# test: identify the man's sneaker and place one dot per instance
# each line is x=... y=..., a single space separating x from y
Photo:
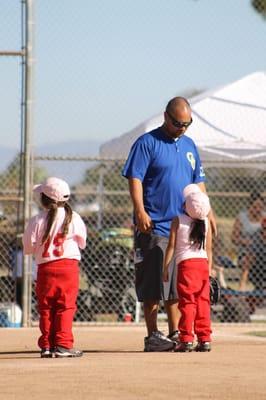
x=174 y=336
x=63 y=352
x=184 y=347
x=203 y=346
x=158 y=342
x=46 y=353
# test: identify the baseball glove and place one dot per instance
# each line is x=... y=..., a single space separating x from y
x=215 y=290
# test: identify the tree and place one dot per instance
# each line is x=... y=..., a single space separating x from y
x=260 y=7
x=11 y=178
x=11 y=189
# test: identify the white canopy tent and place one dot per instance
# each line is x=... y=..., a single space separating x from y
x=229 y=123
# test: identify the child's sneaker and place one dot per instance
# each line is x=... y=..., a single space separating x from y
x=184 y=347
x=46 y=353
x=203 y=346
x=64 y=352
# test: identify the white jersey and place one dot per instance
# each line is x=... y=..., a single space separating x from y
x=184 y=249
x=56 y=246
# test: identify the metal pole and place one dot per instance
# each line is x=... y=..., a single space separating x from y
x=100 y=198
x=27 y=184
x=11 y=53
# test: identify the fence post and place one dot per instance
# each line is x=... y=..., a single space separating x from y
x=27 y=154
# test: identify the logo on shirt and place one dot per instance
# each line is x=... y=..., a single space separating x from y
x=191 y=159
x=202 y=172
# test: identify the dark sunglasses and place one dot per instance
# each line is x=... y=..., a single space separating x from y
x=179 y=124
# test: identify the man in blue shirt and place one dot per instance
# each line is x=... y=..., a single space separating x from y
x=160 y=164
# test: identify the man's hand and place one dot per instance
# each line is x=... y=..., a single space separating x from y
x=144 y=222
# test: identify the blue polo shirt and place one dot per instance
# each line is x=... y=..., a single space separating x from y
x=164 y=166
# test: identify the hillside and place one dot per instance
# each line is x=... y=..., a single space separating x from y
x=71 y=172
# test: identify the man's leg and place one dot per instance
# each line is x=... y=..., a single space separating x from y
x=148 y=271
x=173 y=314
x=148 y=277
x=171 y=299
x=150 y=314
x=155 y=341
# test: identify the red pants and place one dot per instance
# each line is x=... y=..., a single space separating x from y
x=57 y=290
x=194 y=300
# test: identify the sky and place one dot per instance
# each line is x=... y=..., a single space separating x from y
x=102 y=67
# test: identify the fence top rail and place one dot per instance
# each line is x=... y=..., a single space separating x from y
x=12 y=53
x=76 y=158
x=219 y=163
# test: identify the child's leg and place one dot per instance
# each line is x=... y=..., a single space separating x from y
x=187 y=287
x=46 y=340
x=67 y=286
x=202 y=325
x=45 y=297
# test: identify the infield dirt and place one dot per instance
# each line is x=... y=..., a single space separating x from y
x=114 y=366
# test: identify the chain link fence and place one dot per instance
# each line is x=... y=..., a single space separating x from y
x=74 y=84
x=107 y=271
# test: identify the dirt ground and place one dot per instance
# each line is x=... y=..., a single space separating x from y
x=114 y=366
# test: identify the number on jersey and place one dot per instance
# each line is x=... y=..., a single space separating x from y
x=58 y=242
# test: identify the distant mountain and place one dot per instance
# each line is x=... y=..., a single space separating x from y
x=70 y=148
x=71 y=171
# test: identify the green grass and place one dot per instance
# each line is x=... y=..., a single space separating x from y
x=257 y=333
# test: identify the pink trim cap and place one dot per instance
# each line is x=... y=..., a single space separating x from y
x=54 y=188
x=197 y=202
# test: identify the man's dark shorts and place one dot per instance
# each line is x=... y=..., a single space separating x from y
x=149 y=250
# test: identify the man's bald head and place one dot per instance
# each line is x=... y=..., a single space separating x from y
x=177 y=103
x=177 y=117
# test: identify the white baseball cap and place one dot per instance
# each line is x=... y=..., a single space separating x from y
x=54 y=188
x=197 y=202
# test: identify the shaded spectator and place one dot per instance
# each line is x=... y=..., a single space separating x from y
x=247 y=223
x=17 y=268
x=254 y=262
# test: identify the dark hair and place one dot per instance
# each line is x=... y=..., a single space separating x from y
x=255 y=196
x=198 y=233
x=52 y=206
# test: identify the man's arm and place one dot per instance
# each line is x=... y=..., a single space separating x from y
x=143 y=220
x=211 y=216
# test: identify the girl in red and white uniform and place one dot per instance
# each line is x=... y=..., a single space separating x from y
x=190 y=240
x=54 y=237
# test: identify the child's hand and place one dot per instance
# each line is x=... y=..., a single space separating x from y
x=165 y=275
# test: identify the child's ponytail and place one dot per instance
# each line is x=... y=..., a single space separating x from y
x=67 y=220
x=51 y=205
x=198 y=233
